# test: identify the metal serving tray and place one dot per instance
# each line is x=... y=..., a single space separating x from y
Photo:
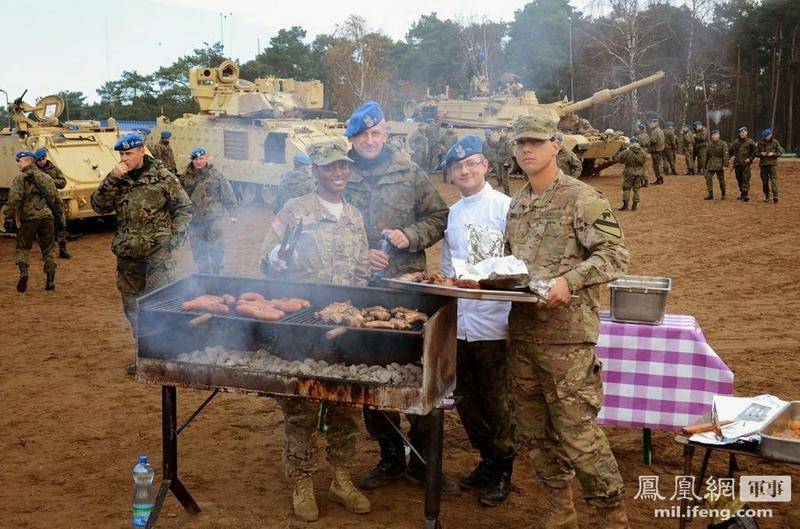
x=464 y=293
x=781 y=448
x=636 y=299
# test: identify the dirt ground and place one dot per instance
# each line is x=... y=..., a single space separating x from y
x=74 y=423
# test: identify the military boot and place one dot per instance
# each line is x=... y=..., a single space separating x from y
x=659 y=181
x=498 y=491
x=343 y=492
x=613 y=517
x=709 y=196
x=745 y=197
x=634 y=206
x=391 y=467
x=416 y=473
x=479 y=478
x=561 y=511
x=22 y=282
x=50 y=282
x=304 y=503
x=62 y=250
x=624 y=206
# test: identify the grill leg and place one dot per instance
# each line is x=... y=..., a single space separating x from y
x=433 y=471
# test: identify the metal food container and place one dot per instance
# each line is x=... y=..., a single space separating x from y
x=636 y=299
x=781 y=448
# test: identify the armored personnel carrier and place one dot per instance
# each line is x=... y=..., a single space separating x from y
x=83 y=150
x=594 y=147
x=251 y=130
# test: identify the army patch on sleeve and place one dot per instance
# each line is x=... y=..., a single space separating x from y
x=607 y=223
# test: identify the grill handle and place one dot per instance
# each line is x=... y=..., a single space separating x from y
x=335 y=332
x=200 y=320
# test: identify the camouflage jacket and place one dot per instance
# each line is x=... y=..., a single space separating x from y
x=644 y=140
x=162 y=151
x=635 y=159
x=327 y=251
x=742 y=150
x=449 y=139
x=397 y=194
x=700 y=140
x=569 y=162
x=293 y=184
x=489 y=148
x=27 y=202
x=503 y=151
x=670 y=140
x=657 y=140
x=688 y=140
x=55 y=173
x=418 y=142
x=568 y=231
x=765 y=146
x=210 y=192
x=152 y=210
x=717 y=155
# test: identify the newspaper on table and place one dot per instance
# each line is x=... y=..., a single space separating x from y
x=729 y=409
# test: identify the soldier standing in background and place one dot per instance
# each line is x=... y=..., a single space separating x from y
x=634 y=174
x=557 y=380
x=670 y=148
x=502 y=161
x=162 y=151
x=769 y=150
x=34 y=201
x=419 y=147
x=644 y=143
x=434 y=145
x=700 y=146
x=295 y=183
x=450 y=137
x=60 y=181
x=212 y=197
x=657 y=145
x=489 y=149
x=687 y=138
x=568 y=161
x=743 y=151
x=716 y=161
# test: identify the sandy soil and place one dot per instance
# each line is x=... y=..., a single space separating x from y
x=74 y=423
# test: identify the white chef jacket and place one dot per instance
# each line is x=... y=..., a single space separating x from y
x=477 y=320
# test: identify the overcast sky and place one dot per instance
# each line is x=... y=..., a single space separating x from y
x=53 y=45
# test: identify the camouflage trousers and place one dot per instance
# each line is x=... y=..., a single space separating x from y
x=301 y=421
x=632 y=182
x=720 y=174
x=701 y=155
x=41 y=230
x=136 y=277
x=743 y=178
x=669 y=161
x=687 y=156
x=419 y=156
x=657 y=159
x=558 y=393
x=769 y=180
x=501 y=173
x=208 y=245
x=486 y=399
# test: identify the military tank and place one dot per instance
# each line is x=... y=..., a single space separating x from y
x=251 y=130
x=594 y=147
x=83 y=150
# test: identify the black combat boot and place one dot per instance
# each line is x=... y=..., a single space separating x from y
x=709 y=196
x=624 y=206
x=498 y=491
x=775 y=200
x=480 y=477
x=659 y=181
x=745 y=197
x=391 y=467
x=634 y=206
x=62 y=250
x=50 y=283
x=22 y=282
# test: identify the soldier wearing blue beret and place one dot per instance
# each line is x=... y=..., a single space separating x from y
x=670 y=148
x=769 y=150
x=60 y=181
x=163 y=151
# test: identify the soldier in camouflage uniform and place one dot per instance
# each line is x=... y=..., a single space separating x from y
x=295 y=183
x=700 y=146
x=716 y=161
x=634 y=174
x=212 y=197
x=434 y=145
x=644 y=143
x=564 y=230
x=670 y=148
x=332 y=249
x=152 y=212
x=448 y=140
x=743 y=151
x=162 y=151
x=687 y=138
x=657 y=145
x=502 y=161
x=769 y=150
x=60 y=181
x=34 y=201
x=489 y=149
x=419 y=147
x=567 y=160
x=398 y=203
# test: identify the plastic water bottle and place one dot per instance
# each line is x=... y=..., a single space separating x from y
x=143 y=477
x=378 y=274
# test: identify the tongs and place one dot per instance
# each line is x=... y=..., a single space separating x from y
x=289 y=243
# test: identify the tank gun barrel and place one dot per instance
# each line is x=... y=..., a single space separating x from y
x=607 y=94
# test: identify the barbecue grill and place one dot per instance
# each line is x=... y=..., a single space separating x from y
x=165 y=331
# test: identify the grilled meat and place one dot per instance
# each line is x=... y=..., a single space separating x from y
x=342 y=313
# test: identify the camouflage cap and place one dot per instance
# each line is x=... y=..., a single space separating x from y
x=535 y=126
x=324 y=152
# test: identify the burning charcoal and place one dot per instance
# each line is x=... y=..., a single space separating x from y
x=384 y=376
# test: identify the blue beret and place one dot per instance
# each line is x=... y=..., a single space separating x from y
x=364 y=117
x=639 y=125
x=715 y=131
x=488 y=131
x=742 y=128
x=40 y=153
x=766 y=132
x=696 y=123
x=165 y=134
x=669 y=123
x=654 y=120
x=24 y=154
x=463 y=148
x=301 y=159
x=634 y=139
x=128 y=142
x=197 y=152
x=143 y=130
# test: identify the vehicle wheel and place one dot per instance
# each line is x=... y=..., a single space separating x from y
x=268 y=194
x=249 y=193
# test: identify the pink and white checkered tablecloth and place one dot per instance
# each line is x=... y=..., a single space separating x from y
x=658 y=376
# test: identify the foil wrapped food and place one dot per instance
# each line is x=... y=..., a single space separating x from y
x=484 y=243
